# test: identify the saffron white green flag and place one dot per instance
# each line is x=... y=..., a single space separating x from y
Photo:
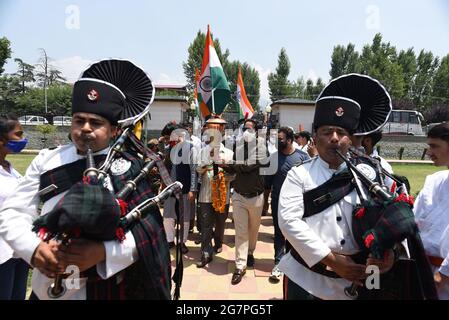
x=245 y=109
x=213 y=87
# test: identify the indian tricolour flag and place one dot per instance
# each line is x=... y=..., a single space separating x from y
x=213 y=87
x=245 y=109
x=201 y=108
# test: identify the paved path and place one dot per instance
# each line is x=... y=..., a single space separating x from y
x=214 y=281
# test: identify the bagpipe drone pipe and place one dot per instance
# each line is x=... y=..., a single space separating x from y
x=380 y=223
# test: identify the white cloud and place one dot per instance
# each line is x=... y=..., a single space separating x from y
x=312 y=75
x=165 y=79
x=71 y=67
x=263 y=75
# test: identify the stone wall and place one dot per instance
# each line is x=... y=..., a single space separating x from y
x=37 y=140
x=389 y=145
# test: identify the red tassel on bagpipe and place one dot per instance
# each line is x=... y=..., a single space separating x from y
x=405 y=198
x=360 y=213
x=123 y=207
x=369 y=240
x=120 y=234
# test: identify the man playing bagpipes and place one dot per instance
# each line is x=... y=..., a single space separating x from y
x=336 y=226
x=115 y=260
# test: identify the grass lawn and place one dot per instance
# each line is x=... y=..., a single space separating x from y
x=20 y=162
x=416 y=174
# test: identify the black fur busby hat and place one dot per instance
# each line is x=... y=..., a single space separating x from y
x=355 y=102
x=115 y=89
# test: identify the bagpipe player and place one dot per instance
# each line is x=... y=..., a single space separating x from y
x=320 y=204
x=138 y=266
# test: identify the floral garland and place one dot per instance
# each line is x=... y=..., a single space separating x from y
x=219 y=192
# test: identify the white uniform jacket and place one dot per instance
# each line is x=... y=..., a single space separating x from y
x=21 y=209
x=432 y=216
x=316 y=236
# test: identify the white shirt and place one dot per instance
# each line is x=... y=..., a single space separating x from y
x=226 y=155
x=316 y=236
x=8 y=181
x=21 y=209
x=432 y=217
x=385 y=165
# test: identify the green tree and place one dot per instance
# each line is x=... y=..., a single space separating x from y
x=312 y=90
x=440 y=85
x=195 y=58
x=279 y=85
x=344 y=60
x=5 y=52
x=407 y=60
x=32 y=102
x=299 y=88
x=24 y=73
x=380 y=61
x=55 y=77
x=426 y=67
x=10 y=89
x=251 y=82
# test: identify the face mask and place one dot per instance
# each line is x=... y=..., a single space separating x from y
x=15 y=146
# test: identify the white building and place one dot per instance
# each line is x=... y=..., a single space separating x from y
x=293 y=112
x=165 y=109
x=170 y=104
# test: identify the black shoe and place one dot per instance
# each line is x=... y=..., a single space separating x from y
x=205 y=259
x=198 y=240
x=237 y=276
x=218 y=249
x=250 y=260
x=171 y=245
x=184 y=248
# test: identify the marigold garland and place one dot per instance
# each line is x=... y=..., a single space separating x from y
x=219 y=192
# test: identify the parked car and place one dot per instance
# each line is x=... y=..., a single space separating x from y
x=62 y=121
x=32 y=120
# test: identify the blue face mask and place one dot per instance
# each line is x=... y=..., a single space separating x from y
x=15 y=146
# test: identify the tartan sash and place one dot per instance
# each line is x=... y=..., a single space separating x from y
x=64 y=177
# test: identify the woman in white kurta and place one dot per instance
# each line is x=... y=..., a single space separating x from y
x=13 y=271
x=431 y=209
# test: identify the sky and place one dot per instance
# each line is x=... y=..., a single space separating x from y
x=156 y=34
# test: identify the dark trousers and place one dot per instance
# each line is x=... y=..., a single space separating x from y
x=220 y=223
x=294 y=292
x=13 y=279
x=279 y=239
x=207 y=220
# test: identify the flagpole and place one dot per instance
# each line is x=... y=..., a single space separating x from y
x=213 y=100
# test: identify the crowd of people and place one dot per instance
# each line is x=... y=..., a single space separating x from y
x=323 y=189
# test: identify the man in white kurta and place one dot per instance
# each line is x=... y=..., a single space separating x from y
x=432 y=210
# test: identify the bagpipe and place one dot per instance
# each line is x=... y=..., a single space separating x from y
x=381 y=222
x=384 y=218
x=89 y=209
